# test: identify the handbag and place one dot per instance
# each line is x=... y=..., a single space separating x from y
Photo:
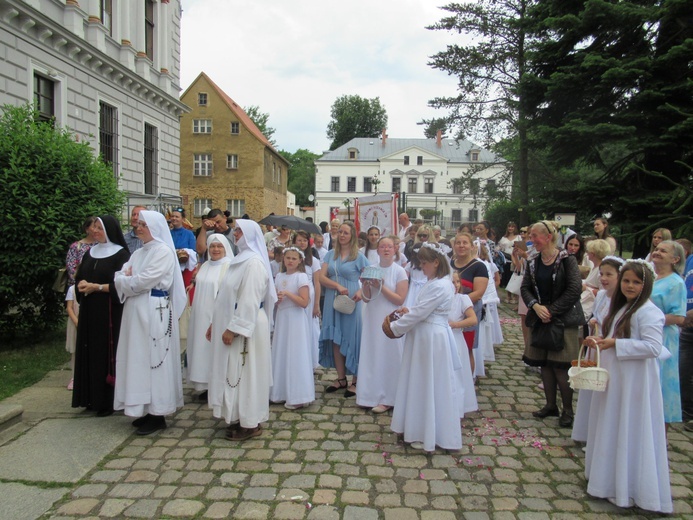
x=514 y=284
x=60 y=283
x=548 y=336
x=342 y=302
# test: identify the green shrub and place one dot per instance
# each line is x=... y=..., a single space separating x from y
x=49 y=184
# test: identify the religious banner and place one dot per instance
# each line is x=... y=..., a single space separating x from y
x=378 y=210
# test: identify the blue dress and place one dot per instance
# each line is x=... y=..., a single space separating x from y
x=342 y=329
x=669 y=294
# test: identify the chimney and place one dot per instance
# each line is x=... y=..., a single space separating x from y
x=439 y=138
x=384 y=136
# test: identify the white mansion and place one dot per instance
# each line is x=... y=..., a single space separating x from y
x=109 y=70
x=421 y=169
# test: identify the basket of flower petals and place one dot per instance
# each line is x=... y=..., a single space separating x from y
x=393 y=316
x=586 y=374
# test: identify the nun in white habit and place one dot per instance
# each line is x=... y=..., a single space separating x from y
x=148 y=369
x=207 y=281
x=240 y=334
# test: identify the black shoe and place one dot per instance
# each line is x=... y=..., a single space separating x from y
x=566 y=420
x=349 y=393
x=203 y=396
x=104 y=413
x=154 y=423
x=547 y=411
x=342 y=383
x=139 y=422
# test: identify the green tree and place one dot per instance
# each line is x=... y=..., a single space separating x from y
x=492 y=100
x=49 y=184
x=261 y=119
x=435 y=124
x=301 y=174
x=616 y=94
x=354 y=116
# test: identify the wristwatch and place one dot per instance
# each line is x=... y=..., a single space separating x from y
x=100 y=288
x=532 y=304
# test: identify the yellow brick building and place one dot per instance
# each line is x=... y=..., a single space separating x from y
x=225 y=160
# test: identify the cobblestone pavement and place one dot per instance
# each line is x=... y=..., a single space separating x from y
x=334 y=460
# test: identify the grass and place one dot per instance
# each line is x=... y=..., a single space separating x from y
x=22 y=366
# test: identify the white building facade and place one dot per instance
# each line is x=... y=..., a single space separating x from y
x=109 y=71
x=420 y=170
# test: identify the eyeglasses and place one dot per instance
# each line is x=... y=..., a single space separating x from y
x=142 y=225
x=422 y=236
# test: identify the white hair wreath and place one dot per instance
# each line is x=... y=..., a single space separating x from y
x=294 y=248
x=439 y=248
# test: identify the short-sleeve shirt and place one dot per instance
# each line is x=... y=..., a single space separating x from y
x=474 y=269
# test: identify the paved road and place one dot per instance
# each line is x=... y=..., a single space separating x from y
x=331 y=460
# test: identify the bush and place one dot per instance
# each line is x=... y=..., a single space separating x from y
x=49 y=184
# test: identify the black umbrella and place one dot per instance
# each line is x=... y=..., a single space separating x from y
x=292 y=222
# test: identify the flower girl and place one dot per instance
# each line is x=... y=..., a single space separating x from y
x=626 y=459
x=462 y=316
x=427 y=409
x=608 y=277
x=292 y=360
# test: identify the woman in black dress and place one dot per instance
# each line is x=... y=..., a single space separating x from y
x=100 y=313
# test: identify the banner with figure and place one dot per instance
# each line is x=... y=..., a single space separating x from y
x=378 y=210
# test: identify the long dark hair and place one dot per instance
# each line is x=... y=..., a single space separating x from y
x=606 y=233
x=580 y=255
x=618 y=301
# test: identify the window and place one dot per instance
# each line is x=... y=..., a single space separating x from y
x=473 y=215
x=474 y=155
x=419 y=160
x=456 y=217
x=44 y=97
x=108 y=135
x=474 y=186
x=107 y=15
x=149 y=28
x=202 y=99
x=335 y=184
x=352 y=154
x=411 y=185
x=236 y=207
x=274 y=172
x=406 y=159
x=232 y=163
x=151 y=159
x=202 y=164
x=202 y=126
x=200 y=205
x=235 y=128
x=351 y=183
x=396 y=185
x=457 y=186
x=428 y=185
x=368 y=184
x=491 y=186
x=279 y=175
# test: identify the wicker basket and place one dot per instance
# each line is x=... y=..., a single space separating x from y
x=588 y=378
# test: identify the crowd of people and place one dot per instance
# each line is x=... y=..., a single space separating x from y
x=407 y=321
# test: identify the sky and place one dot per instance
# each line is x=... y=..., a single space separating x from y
x=294 y=58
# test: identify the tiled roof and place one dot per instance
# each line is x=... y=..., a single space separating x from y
x=372 y=149
x=237 y=111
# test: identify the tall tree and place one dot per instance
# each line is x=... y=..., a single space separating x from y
x=615 y=86
x=435 y=124
x=492 y=101
x=354 y=116
x=301 y=174
x=260 y=119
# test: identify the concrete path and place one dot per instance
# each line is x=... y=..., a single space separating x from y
x=328 y=461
